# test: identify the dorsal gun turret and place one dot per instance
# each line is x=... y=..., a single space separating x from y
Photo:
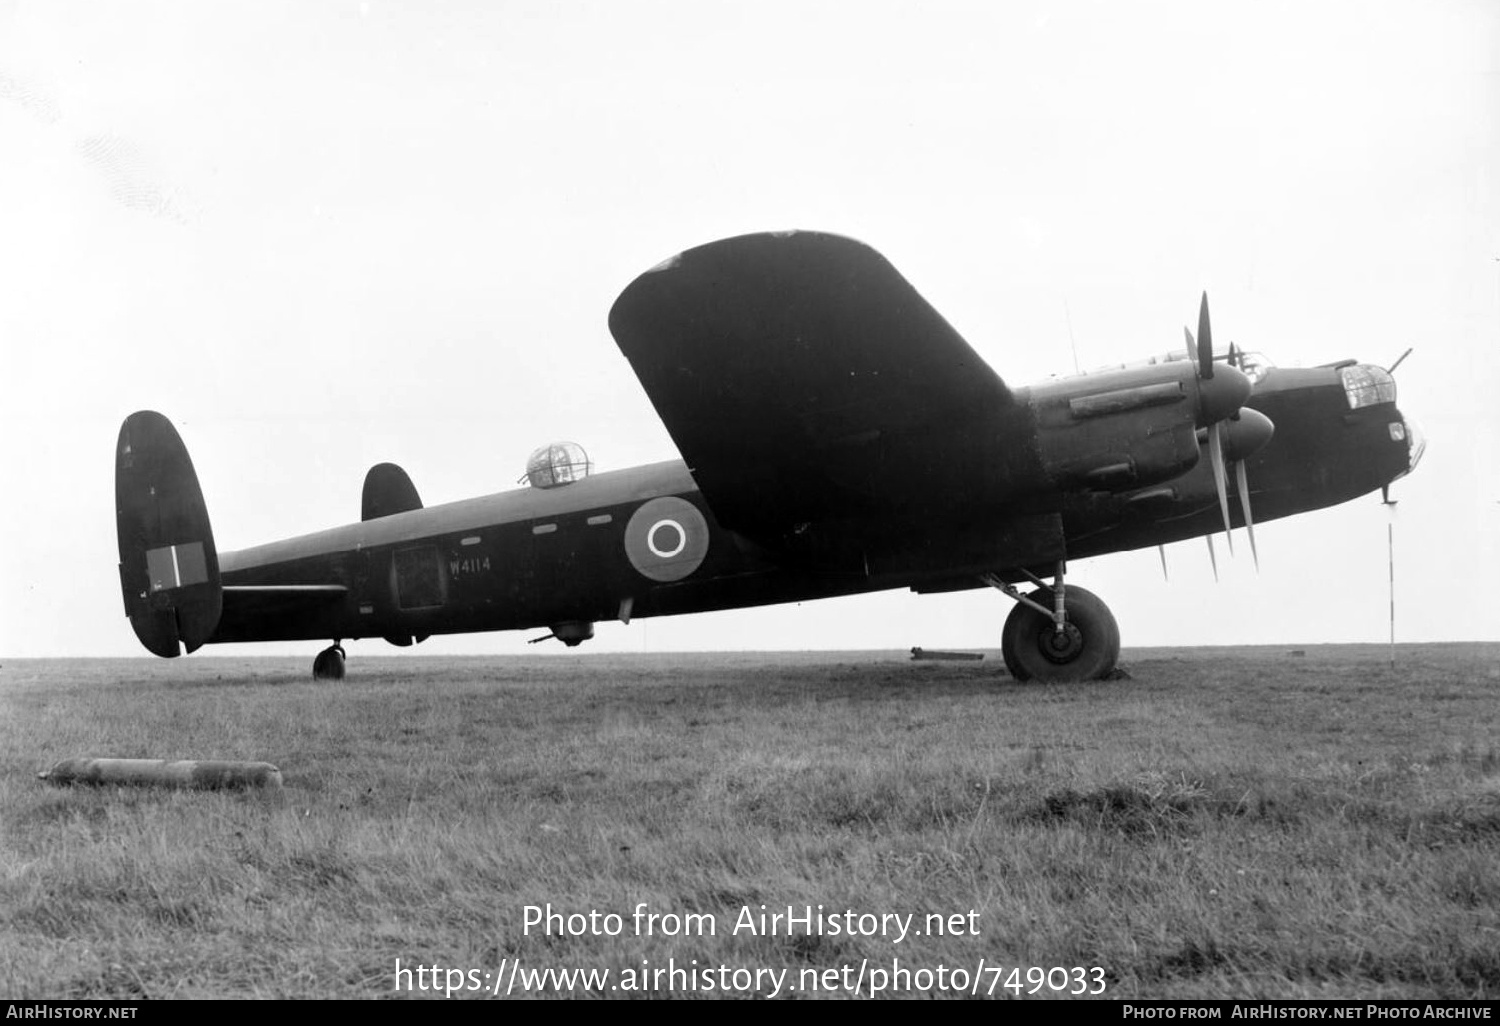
x=552 y=466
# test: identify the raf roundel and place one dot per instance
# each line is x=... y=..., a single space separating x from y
x=674 y=531
x=666 y=539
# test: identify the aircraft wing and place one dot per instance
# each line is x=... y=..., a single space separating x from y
x=803 y=379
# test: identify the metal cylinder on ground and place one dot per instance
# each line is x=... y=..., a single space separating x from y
x=204 y=774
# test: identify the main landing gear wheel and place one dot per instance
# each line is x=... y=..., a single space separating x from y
x=330 y=663
x=1086 y=649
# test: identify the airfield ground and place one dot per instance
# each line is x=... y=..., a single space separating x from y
x=1227 y=823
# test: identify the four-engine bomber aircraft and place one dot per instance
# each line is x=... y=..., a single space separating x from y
x=837 y=435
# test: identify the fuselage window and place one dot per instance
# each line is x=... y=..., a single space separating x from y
x=419 y=578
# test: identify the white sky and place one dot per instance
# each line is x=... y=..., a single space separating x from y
x=319 y=236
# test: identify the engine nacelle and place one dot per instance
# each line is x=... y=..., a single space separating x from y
x=1119 y=430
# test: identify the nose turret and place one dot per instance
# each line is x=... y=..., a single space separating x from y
x=1367 y=385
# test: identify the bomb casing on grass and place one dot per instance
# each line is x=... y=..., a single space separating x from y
x=199 y=774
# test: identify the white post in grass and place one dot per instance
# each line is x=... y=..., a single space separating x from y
x=1390 y=555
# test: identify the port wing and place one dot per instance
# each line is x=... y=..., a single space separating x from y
x=802 y=378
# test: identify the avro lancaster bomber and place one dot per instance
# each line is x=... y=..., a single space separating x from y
x=837 y=436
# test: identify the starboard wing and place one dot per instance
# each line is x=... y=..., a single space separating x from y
x=802 y=378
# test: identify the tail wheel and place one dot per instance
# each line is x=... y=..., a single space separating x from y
x=1086 y=649
x=329 y=665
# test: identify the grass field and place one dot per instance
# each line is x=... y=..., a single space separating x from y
x=1228 y=823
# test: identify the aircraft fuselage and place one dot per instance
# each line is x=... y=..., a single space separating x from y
x=643 y=542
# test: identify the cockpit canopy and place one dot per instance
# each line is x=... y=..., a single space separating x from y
x=1254 y=365
x=557 y=464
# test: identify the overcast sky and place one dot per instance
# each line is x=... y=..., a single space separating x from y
x=318 y=236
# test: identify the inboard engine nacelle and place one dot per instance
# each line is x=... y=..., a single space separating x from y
x=1139 y=427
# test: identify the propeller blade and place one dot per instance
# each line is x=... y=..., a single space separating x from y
x=1192 y=347
x=1242 y=483
x=1216 y=454
x=1163 y=550
x=1205 y=342
x=1212 y=556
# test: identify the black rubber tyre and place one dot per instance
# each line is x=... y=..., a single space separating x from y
x=329 y=665
x=1088 y=650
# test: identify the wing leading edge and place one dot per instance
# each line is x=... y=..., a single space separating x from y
x=804 y=380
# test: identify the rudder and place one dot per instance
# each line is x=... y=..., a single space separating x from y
x=388 y=490
x=169 y=568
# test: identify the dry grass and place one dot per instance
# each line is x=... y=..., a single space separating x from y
x=1229 y=823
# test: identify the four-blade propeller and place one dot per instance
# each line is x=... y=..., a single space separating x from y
x=1233 y=431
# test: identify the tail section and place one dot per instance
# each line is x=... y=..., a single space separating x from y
x=169 y=568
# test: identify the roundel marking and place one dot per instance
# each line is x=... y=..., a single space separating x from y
x=666 y=539
x=678 y=532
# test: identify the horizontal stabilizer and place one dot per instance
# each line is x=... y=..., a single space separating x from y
x=169 y=568
x=388 y=490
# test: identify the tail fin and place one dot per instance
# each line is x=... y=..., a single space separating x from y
x=169 y=568
x=388 y=490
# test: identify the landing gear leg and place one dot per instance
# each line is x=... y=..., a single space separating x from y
x=330 y=663
x=1057 y=634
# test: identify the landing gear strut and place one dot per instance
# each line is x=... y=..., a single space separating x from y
x=1058 y=633
x=330 y=663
